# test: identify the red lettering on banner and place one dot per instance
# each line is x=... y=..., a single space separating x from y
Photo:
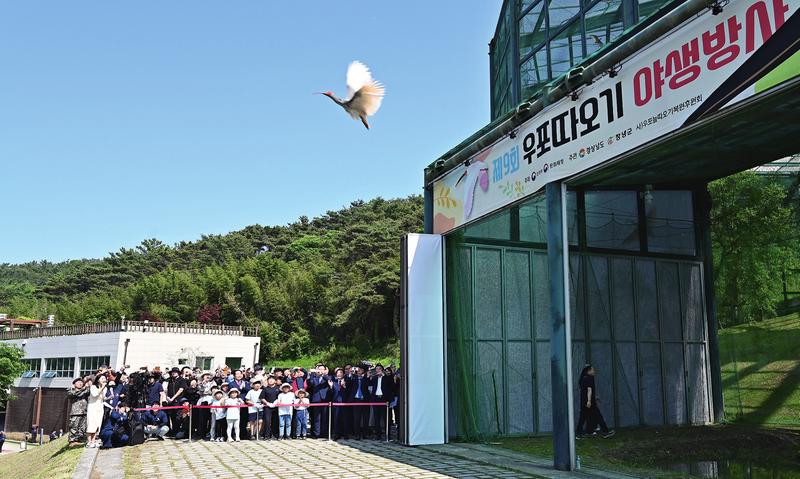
x=756 y=10
x=642 y=93
x=720 y=46
x=682 y=64
x=780 y=8
x=714 y=44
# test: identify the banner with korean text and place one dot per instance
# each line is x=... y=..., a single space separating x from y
x=702 y=66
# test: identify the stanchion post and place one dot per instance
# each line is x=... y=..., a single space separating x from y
x=387 y=422
x=330 y=419
x=190 y=423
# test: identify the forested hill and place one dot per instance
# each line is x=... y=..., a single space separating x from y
x=309 y=285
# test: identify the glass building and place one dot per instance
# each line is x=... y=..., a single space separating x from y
x=642 y=308
x=622 y=276
x=538 y=41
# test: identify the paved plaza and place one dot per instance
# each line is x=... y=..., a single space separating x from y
x=309 y=459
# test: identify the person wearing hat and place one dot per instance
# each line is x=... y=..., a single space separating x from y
x=255 y=411
x=218 y=417
x=286 y=400
x=155 y=390
x=78 y=394
x=359 y=392
x=301 y=413
x=240 y=383
x=232 y=414
x=156 y=422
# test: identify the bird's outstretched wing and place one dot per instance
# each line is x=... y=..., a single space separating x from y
x=358 y=75
x=363 y=93
x=368 y=99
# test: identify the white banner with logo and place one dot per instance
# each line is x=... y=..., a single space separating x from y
x=656 y=91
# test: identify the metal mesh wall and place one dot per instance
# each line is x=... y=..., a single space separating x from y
x=639 y=321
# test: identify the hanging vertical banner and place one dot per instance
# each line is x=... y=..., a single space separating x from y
x=706 y=64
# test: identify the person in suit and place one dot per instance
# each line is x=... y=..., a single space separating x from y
x=382 y=391
x=319 y=388
x=359 y=393
x=342 y=418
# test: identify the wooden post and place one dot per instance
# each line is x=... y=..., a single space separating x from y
x=39 y=409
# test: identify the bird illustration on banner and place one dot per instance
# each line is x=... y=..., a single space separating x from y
x=476 y=173
x=364 y=95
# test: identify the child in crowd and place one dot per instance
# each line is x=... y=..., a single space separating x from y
x=253 y=399
x=300 y=419
x=218 y=417
x=285 y=412
x=232 y=414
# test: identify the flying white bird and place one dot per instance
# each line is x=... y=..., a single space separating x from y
x=364 y=95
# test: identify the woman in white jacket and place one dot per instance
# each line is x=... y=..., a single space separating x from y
x=94 y=411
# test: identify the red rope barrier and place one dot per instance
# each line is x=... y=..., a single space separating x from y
x=313 y=404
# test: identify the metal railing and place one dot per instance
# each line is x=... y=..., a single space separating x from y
x=132 y=326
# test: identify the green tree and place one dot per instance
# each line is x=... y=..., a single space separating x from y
x=10 y=368
x=754 y=236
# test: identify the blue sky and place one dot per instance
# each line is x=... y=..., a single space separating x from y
x=121 y=121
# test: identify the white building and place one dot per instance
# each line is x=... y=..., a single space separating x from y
x=57 y=355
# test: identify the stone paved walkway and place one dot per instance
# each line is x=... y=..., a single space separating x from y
x=307 y=459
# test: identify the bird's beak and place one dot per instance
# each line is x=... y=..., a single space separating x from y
x=462 y=177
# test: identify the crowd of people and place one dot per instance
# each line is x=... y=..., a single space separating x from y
x=117 y=408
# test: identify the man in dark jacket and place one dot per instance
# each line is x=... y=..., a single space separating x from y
x=319 y=387
x=270 y=396
x=359 y=392
x=342 y=419
x=382 y=391
x=78 y=395
x=156 y=422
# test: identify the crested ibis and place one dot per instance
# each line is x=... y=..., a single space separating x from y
x=364 y=95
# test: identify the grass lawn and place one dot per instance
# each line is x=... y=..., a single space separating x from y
x=647 y=451
x=54 y=460
x=761 y=372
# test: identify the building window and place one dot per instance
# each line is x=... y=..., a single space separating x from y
x=60 y=367
x=204 y=362
x=90 y=364
x=562 y=11
x=533 y=219
x=566 y=50
x=32 y=368
x=533 y=73
x=532 y=30
x=670 y=222
x=496 y=226
x=647 y=8
x=233 y=363
x=603 y=24
x=612 y=220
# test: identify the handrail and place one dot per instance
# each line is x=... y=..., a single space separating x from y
x=131 y=326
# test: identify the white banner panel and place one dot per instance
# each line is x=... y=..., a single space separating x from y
x=695 y=69
x=424 y=361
